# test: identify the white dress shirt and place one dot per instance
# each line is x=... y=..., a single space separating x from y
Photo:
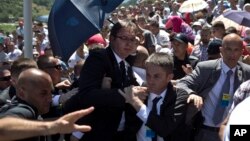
x=211 y=100
x=144 y=113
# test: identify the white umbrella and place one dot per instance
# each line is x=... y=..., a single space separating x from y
x=192 y=6
x=43 y=18
x=228 y=23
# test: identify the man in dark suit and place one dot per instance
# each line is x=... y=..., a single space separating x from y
x=163 y=119
x=208 y=81
x=111 y=119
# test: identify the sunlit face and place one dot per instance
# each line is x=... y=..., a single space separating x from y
x=218 y=32
x=124 y=43
x=231 y=52
x=205 y=36
x=39 y=95
x=157 y=78
x=54 y=69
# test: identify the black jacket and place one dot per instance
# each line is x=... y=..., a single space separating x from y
x=109 y=104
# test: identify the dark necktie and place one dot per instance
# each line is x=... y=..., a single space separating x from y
x=219 y=111
x=123 y=73
x=154 y=111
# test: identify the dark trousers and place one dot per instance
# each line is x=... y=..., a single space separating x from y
x=207 y=135
x=119 y=136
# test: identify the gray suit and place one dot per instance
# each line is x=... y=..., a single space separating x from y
x=204 y=77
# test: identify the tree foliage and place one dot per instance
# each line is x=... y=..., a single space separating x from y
x=12 y=10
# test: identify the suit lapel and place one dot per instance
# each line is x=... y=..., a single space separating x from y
x=168 y=97
x=116 y=79
x=215 y=74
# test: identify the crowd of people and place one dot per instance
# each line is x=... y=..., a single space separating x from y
x=153 y=74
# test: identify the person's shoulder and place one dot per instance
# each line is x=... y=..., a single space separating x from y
x=244 y=66
x=145 y=31
x=163 y=33
x=209 y=63
x=17 y=51
x=97 y=51
x=193 y=58
x=18 y=110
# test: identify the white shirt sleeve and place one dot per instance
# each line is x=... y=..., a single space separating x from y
x=78 y=134
x=143 y=113
x=55 y=100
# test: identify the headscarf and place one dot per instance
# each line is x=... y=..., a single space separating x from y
x=175 y=22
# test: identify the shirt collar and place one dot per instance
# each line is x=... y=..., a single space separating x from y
x=225 y=68
x=152 y=96
x=119 y=59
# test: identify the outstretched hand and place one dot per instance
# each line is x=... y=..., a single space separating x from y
x=66 y=124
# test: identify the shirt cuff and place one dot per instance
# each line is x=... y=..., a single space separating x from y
x=55 y=100
x=143 y=113
x=78 y=134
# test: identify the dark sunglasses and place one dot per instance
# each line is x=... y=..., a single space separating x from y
x=58 y=67
x=5 y=78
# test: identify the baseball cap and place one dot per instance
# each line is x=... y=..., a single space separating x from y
x=180 y=37
x=96 y=39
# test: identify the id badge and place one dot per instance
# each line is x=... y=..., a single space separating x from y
x=225 y=100
x=149 y=133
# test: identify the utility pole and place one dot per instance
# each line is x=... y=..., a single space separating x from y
x=27 y=12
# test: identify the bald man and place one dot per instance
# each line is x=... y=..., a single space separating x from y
x=139 y=64
x=208 y=81
x=33 y=96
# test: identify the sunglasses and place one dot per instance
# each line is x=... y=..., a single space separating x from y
x=5 y=78
x=58 y=67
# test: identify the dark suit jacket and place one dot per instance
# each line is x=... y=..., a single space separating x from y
x=21 y=109
x=205 y=76
x=109 y=104
x=170 y=124
x=178 y=71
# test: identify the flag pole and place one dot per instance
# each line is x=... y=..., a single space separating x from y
x=27 y=13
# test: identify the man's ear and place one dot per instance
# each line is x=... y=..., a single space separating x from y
x=20 y=93
x=170 y=76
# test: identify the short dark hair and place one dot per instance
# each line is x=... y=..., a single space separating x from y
x=161 y=59
x=122 y=24
x=219 y=24
x=231 y=29
x=20 y=65
x=44 y=60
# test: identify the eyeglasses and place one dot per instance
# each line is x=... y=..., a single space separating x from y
x=124 y=38
x=58 y=67
x=5 y=78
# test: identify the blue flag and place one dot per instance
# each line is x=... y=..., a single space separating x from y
x=72 y=22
